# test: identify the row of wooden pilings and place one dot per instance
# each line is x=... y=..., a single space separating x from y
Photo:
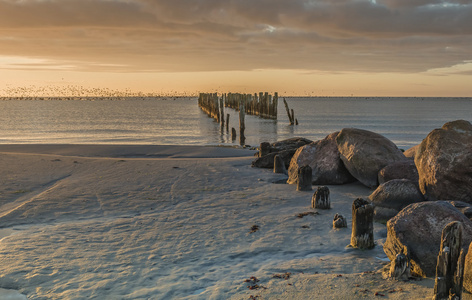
x=264 y=106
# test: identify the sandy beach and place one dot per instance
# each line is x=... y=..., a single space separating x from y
x=176 y=222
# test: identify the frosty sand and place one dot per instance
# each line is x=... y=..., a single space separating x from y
x=174 y=222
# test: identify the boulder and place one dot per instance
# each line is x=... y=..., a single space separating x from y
x=267 y=161
x=464 y=207
x=365 y=153
x=323 y=158
x=467 y=284
x=444 y=162
x=285 y=149
x=419 y=227
x=392 y=196
x=411 y=153
x=404 y=169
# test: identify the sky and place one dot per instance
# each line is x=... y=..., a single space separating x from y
x=182 y=47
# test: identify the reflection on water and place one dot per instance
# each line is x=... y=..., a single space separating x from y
x=406 y=121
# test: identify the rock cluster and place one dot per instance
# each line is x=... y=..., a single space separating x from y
x=420 y=192
x=285 y=149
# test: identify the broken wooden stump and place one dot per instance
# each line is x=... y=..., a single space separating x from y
x=362 y=236
x=339 y=221
x=400 y=267
x=279 y=165
x=290 y=116
x=304 y=179
x=450 y=265
x=242 y=126
x=233 y=134
x=321 y=198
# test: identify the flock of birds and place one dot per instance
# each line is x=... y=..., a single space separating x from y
x=77 y=92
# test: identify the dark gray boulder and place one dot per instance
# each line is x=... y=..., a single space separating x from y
x=404 y=169
x=392 y=196
x=323 y=158
x=365 y=153
x=419 y=227
x=444 y=162
x=285 y=149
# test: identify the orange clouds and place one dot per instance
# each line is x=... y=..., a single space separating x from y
x=147 y=36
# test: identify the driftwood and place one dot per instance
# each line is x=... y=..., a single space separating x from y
x=304 y=179
x=400 y=266
x=339 y=221
x=321 y=198
x=450 y=265
x=362 y=236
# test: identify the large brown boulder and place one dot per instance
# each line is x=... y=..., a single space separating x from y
x=365 y=153
x=404 y=169
x=444 y=162
x=392 y=196
x=323 y=158
x=285 y=149
x=419 y=227
x=411 y=153
x=467 y=284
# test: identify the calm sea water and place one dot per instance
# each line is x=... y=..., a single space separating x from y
x=406 y=121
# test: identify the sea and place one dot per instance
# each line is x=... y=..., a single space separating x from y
x=179 y=120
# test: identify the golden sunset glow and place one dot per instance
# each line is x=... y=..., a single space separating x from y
x=296 y=47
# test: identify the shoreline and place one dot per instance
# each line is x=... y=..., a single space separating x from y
x=175 y=222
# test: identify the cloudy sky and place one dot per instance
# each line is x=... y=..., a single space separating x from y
x=295 y=47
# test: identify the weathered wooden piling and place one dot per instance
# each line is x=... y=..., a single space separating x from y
x=242 y=126
x=279 y=165
x=362 y=236
x=222 y=112
x=400 y=266
x=450 y=264
x=321 y=198
x=227 y=122
x=339 y=221
x=288 y=112
x=233 y=134
x=304 y=179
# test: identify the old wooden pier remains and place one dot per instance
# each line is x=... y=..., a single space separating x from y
x=262 y=105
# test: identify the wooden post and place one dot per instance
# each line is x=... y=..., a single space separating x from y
x=362 y=236
x=339 y=221
x=450 y=265
x=288 y=112
x=222 y=113
x=275 y=104
x=227 y=122
x=233 y=134
x=304 y=179
x=321 y=198
x=279 y=165
x=242 y=126
x=400 y=266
